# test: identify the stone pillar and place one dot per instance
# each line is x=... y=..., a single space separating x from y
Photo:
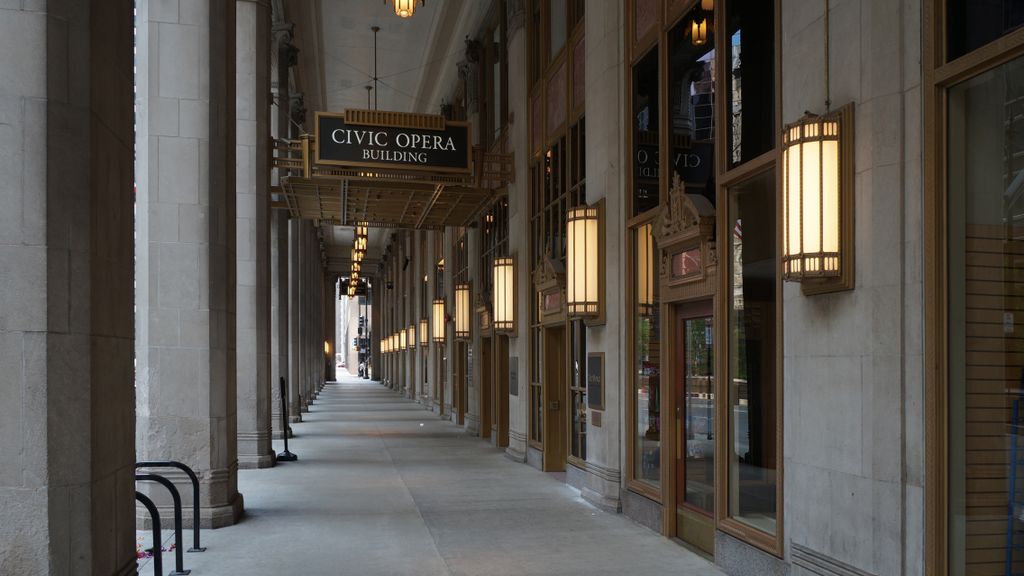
x=253 y=233
x=185 y=258
x=330 y=325
x=292 y=296
x=66 y=383
x=279 y=313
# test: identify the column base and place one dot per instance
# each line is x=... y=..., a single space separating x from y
x=294 y=419
x=253 y=461
x=210 y=518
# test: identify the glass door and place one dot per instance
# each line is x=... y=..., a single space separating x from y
x=694 y=391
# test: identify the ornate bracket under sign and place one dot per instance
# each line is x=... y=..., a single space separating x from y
x=389 y=169
x=685 y=233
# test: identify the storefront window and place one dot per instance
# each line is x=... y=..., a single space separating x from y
x=691 y=107
x=753 y=444
x=974 y=23
x=557 y=26
x=578 y=390
x=645 y=134
x=646 y=362
x=751 y=66
x=986 y=341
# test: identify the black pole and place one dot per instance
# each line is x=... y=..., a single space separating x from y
x=195 y=494
x=158 y=556
x=375 y=30
x=179 y=554
x=285 y=456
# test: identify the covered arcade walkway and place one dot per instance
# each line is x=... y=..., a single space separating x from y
x=384 y=487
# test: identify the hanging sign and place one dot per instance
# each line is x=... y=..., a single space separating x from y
x=446 y=149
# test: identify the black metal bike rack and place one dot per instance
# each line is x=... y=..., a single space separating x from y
x=158 y=558
x=179 y=556
x=285 y=456
x=195 y=494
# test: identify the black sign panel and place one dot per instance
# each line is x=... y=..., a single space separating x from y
x=345 y=144
x=595 y=380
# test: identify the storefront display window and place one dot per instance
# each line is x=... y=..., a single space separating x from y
x=753 y=448
x=985 y=171
x=578 y=390
x=974 y=23
x=751 y=74
x=691 y=104
x=645 y=134
x=646 y=366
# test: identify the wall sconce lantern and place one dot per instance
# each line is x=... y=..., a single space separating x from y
x=424 y=336
x=386 y=345
x=462 y=311
x=817 y=196
x=410 y=337
x=504 y=294
x=583 y=261
x=327 y=348
x=406 y=8
x=438 y=320
x=402 y=344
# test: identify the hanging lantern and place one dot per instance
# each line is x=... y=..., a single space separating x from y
x=699 y=28
x=424 y=336
x=437 y=318
x=406 y=8
x=504 y=294
x=817 y=183
x=645 y=264
x=582 y=263
x=462 y=311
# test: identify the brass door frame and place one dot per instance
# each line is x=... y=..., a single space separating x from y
x=680 y=312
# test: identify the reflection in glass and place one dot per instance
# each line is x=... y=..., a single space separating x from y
x=974 y=23
x=645 y=133
x=699 y=413
x=691 y=107
x=647 y=368
x=751 y=62
x=753 y=449
x=986 y=306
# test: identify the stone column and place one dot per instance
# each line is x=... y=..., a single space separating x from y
x=279 y=313
x=292 y=296
x=253 y=233
x=185 y=259
x=66 y=382
x=330 y=325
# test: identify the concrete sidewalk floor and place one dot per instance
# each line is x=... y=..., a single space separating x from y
x=384 y=487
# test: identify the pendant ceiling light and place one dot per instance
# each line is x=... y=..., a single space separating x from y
x=406 y=8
